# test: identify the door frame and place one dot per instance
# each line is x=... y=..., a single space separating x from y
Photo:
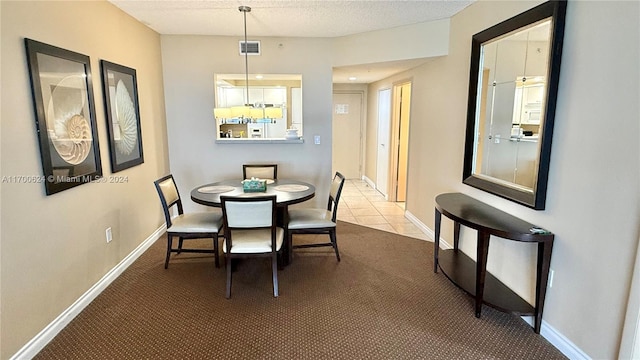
x=363 y=116
x=387 y=163
x=395 y=135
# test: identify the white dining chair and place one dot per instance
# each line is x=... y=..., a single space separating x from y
x=266 y=171
x=199 y=225
x=250 y=231
x=317 y=220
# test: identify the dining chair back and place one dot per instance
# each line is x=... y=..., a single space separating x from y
x=317 y=220
x=199 y=225
x=250 y=231
x=266 y=171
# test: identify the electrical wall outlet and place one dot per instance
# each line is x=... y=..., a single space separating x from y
x=316 y=139
x=551 y=278
x=108 y=235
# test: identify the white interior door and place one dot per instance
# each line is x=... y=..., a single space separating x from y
x=346 y=134
x=384 y=122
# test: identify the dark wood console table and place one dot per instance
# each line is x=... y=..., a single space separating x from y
x=473 y=277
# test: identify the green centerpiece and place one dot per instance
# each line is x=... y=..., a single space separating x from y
x=254 y=185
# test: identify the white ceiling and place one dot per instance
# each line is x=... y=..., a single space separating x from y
x=297 y=18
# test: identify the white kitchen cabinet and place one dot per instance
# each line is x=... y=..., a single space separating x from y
x=275 y=96
x=276 y=129
x=296 y=109
x=268 y=130
x=527 y=105
x=257 y=95
x=229 y=97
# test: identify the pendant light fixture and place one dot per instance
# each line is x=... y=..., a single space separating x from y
x=247 y=111
x=244 y=111
x=244 y=10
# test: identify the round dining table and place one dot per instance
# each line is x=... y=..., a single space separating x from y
x=287 y=192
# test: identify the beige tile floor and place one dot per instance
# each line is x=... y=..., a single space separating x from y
x=361 y=204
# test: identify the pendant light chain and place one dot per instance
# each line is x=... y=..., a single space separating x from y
x=245 y=10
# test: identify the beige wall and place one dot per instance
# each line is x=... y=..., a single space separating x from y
x=423 y=40
x=53 y=248
x=593 y=194
x=189 y=64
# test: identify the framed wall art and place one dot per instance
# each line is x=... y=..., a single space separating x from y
x=120 y=92
x=65 y=116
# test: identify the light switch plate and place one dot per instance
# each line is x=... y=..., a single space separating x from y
x=316 y=139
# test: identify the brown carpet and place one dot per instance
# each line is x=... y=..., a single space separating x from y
x=383 y=301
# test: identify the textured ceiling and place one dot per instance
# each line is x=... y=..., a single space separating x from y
x=286 y=18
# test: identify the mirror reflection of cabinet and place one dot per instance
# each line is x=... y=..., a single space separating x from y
x=527 y=105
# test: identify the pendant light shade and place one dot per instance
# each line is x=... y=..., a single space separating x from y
x=273 y=112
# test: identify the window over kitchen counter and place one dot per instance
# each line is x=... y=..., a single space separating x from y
x=263 y=109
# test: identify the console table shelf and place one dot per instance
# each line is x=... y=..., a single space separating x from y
x=471 y=275
x=461 y=270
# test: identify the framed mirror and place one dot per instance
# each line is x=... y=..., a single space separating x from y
x=264 y=108
x=513 y=84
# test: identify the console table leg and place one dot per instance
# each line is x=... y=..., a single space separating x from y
x=456 y=235
x=481 y=268
x=436 y=240
x=544 y=263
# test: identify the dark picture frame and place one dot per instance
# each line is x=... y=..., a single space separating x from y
x=120 y=91
x=534 y=198
x=62 y=92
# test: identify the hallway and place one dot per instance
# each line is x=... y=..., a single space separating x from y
x=360 y=204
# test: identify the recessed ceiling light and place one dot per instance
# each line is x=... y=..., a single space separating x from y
x=352 y=78
x=259 y=77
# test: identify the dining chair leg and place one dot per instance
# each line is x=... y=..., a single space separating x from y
x=228 y=266
x=274 y=270
x=215 y=250
x=289 y=250
x=180 y=245
x=334 y=242
x=169 y=242
x=281 y=263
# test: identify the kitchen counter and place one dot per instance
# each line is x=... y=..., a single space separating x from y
x=259 y=141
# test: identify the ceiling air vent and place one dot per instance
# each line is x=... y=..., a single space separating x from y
x=252 y=48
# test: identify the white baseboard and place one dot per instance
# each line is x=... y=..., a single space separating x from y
x=35 y=345
x=374 y=186
x=548 y=332
x=369 y=182
x=425 y=229
x=558 y=340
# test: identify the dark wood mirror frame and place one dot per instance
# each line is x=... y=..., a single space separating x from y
x=555 y=10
